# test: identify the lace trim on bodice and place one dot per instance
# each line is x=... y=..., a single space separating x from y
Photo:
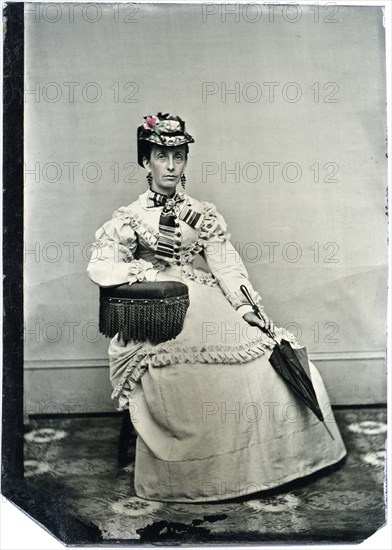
x=128 y=216
x=210 y=227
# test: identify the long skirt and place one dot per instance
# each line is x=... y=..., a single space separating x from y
x=214 y=419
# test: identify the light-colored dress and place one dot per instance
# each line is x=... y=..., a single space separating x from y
x=214 y=419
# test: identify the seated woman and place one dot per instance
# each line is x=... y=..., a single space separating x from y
x=214 y=419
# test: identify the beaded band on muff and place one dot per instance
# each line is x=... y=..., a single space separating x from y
x=143 y=311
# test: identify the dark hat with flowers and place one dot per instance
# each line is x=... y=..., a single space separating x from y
x=161 y=129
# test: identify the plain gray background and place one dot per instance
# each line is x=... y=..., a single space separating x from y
x=336 y=298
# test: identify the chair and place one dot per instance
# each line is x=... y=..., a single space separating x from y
x=127 y=436
x=153 y=311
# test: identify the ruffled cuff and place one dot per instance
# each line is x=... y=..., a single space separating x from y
x=141 y=271
x=242 y=310
x=237 y=299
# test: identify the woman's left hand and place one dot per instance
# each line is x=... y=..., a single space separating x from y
x=254 y=320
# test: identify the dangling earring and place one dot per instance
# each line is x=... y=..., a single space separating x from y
x=149 y=179
x=183 y=181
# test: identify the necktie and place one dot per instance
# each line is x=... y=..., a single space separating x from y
x=169 y=228
x=168 y=236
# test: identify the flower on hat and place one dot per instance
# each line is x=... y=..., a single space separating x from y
x=154 y=124
x=151 y=122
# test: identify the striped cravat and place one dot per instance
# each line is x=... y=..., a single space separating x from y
x=168 y=238
x=169 y=229
x=155 y=199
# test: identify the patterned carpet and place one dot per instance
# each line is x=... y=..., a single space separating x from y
x=76 y=489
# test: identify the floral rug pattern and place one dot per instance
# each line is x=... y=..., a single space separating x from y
x=77 y=457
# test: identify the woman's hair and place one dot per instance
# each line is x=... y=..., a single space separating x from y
x=145 y=148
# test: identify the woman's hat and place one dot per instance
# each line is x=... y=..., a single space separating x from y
x=166 y=130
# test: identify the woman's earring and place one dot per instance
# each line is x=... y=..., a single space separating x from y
x=149 y=179
x=183 y=181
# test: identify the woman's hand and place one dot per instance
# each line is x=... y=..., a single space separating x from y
x=254 y=320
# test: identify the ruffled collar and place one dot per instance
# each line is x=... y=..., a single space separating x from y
x=145 y=199
x=155 y=199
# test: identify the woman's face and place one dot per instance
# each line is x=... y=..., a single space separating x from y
x=166 y=165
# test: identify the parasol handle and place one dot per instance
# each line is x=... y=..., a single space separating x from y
x=256 y=309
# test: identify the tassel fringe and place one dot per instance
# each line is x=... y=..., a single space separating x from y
x=141 y=320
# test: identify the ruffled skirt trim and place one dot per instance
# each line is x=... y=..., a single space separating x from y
x=129 y=363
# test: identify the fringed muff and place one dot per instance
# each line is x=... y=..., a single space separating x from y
x=158 y=316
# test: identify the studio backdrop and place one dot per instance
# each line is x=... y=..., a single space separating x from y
x=288 y=109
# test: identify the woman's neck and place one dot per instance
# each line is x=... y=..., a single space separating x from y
x=165 y=192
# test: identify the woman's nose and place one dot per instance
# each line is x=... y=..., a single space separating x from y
x=170 y=163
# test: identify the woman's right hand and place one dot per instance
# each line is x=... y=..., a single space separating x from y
x=254 y=320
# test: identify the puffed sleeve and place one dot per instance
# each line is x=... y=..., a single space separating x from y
x=224 y=261
x=113 y=250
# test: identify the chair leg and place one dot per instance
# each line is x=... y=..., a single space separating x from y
x=126 y=433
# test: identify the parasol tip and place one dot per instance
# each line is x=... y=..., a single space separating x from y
x=328 y=430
